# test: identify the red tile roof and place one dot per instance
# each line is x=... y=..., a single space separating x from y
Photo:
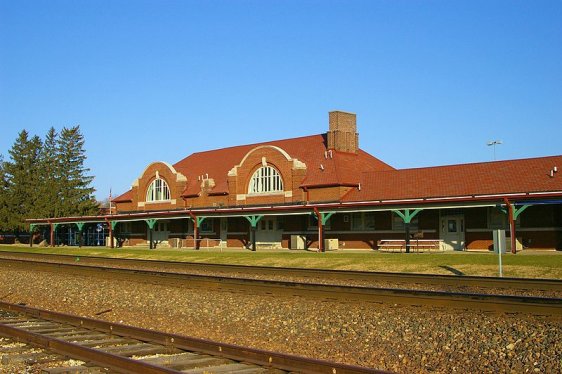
x=499 y=177
x=340 y=169
x=124 y=198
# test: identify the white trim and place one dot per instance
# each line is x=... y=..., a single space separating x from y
x=179 y=176
x=545 y=193
x=501 y=195
x=159 y=202
x=280 y=150
x=520 y=229
x=450 y=198
x=401 y=201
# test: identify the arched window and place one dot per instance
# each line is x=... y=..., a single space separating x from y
x=158 y=191
x=265 y=180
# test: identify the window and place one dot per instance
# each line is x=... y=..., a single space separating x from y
x=265 y=180
x=363 y=221
x=497 y=219
x=158 y=191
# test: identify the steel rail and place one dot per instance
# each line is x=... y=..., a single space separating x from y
x=540 y=284
x=551 y=307
x=259 y=357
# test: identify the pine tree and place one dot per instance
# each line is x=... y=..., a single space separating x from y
x=3 y=192
x=22 y=177
x=76 y=194
x=50 y=177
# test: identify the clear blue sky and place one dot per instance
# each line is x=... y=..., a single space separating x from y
x=431 y=81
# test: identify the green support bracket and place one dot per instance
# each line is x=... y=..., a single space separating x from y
x=518 y=211
x=151 y=222
x=326 y=216
x=199 y=220
x=80 y=225
x=114 y=224
x=254 y=220
x=407 y=216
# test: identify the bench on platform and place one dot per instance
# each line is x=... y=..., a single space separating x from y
x=416 y=245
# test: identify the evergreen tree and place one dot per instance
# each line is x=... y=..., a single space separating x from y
x=22 y=177
x=50 y=177
x=76 y=193
x=3 y=192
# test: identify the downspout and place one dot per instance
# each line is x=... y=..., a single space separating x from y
x=511 y=225
x=320 y=230
x=195 y=230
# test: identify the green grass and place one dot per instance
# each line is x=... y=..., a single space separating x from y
x=524 y=264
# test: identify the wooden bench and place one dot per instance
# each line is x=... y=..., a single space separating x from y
x=416 y=245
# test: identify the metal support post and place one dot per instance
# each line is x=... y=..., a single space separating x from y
x=112 y=228
x=151 y=222
x=80 y=226
x=407 y=219
x=407 y=230
x=253 y=226
x=52 y=228
x=31 y=229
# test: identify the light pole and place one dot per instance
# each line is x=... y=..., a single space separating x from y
x=494 y=143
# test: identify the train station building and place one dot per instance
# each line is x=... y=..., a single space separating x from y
x=323 y=192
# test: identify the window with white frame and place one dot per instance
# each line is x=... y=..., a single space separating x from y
x=266 y=180
x=158 y=191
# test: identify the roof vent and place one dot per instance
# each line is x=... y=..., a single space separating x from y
x=321 y=167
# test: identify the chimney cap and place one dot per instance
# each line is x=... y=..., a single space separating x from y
x=342 y=111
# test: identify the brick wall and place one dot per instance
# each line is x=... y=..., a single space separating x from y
x=342 y=133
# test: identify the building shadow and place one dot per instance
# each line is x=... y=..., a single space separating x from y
x=452 y=270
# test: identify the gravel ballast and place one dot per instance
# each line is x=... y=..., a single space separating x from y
x=391 y=337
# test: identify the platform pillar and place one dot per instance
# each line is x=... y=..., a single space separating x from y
x=253 y=228
x=407 y=217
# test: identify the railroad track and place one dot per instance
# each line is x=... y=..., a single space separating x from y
x=550 y=307
x=103 y=346
x=456 y=281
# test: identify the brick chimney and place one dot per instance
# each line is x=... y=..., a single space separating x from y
x=342 y=134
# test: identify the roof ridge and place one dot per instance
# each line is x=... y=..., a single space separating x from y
x=497 y=162
x=253 y=144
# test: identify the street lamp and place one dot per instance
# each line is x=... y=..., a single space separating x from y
x=494 y=143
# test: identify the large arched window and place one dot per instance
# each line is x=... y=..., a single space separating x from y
x=265 y=180
x=158 y=191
